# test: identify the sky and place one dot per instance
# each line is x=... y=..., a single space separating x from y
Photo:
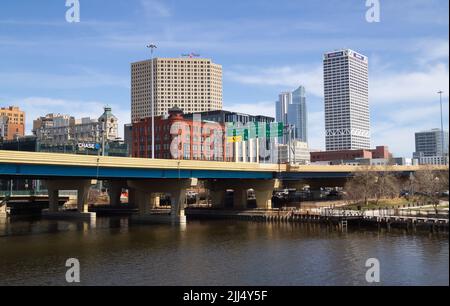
x=48 y=65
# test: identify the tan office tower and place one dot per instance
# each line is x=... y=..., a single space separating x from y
x=192 y=84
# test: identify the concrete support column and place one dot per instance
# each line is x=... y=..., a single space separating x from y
x=264 y=198
x=53 y=199
x=3 y=212
x=132 y=198
x=240 y=198
x=146 y=197
x=178 y=201
x=82 y=199
x=218 y=198
x=81 y=186
x=155 y=201
x=115 y=191
x=217 y=192
x=142 y=200
x=264 y=192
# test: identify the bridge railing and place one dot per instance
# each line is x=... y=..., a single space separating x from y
x=332 y=212
x=30 y=193
x=441 y=213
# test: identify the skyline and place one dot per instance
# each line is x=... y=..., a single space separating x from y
x=263 y=51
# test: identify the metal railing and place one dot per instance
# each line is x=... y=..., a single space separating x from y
x=30 y=193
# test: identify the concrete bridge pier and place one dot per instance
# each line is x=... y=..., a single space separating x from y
x=240 y=197
x=146 y=192
x=81 y=186
x=131 y=198
x=217 y=193
x=263 y=192
x=115 y=191
x=3 y=213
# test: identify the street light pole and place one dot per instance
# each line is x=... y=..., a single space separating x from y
x=442 y=122
x=152 y=47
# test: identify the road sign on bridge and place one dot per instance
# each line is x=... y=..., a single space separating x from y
x=253 y=130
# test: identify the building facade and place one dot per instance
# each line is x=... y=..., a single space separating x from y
x=433 y=160
x=200 y=136
x=128 y=137
x=12 y=123
x=431 y=143
x=381 y=152
x=177 y=137
x=291 y=109
x=253 y=150
x=193 y=84
x=298 y=154
x=65 y=134
x=432 y=147
x=222 y=116
x=347 y=116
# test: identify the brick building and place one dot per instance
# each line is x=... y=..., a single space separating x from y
x=12 y=123
x=381 y=152
x=177 y=137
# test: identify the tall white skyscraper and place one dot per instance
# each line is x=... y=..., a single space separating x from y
x=347 y=115
x=192 y=84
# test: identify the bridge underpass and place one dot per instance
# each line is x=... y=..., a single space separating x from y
x=146 y=178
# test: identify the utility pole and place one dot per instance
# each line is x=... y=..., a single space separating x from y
x=442 y=122
x=152 y=47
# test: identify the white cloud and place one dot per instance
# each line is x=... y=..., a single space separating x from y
x=418 y=12
x=414 y=86
x=85 y=79
x=36 y=107
x=431 y=50
x=156 y=8
x=396 y=125
x=287 y=76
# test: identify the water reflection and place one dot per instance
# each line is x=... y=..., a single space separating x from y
x=114 y=251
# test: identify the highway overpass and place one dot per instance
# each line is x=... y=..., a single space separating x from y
x=145 y=178
x=50 y=165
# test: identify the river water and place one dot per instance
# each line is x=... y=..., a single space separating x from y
x=114 y=252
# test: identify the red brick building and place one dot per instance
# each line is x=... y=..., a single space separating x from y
x=180 y=138
x=12 y=123
x=381 y=152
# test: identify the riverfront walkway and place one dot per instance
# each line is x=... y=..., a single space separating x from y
x=340 y=217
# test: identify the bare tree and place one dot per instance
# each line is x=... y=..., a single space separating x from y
x=360 y=188
x=429 y=185
x=386 y=186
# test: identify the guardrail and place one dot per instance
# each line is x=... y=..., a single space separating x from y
x=62 y=193
x=332 y=212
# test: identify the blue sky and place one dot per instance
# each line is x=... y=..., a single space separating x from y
x=265 y=47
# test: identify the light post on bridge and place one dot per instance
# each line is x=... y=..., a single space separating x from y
x=152 y=47
x=442 y=123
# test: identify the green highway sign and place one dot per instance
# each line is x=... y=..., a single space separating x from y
x=253 y=131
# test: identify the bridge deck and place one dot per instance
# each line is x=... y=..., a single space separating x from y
x=36 y=165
